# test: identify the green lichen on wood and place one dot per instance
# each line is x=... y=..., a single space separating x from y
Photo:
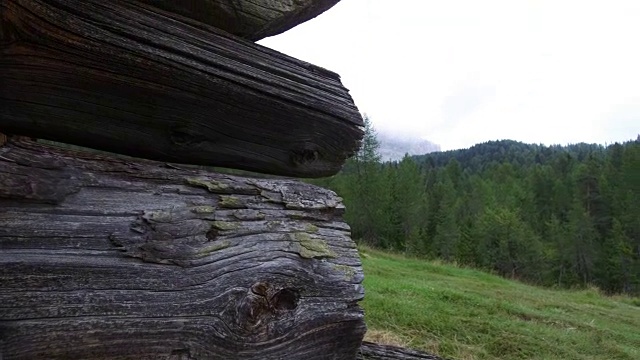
x=310 y=228
x=310 y=247
x=214 y=246
x=348 y=271
x=212 y=186
x=248 y=215
x=203 y=209
x=228 y=201
x=225 y=225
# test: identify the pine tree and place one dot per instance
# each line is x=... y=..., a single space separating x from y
x=615 y=266
x=365 y=190
x=447 y=232
x=582 y=246
x=507 y=245
x=410 y=200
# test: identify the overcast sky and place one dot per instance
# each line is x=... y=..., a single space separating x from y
x=460 y=72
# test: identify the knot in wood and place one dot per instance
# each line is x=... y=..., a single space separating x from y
x=264 y=304
x=285 y=299
x=183 y=136
x=277 y=299
x=304 y=156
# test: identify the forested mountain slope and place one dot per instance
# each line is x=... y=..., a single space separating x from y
x=479 y=156
x=553 y=215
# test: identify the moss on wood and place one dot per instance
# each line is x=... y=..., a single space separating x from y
x=214 y=246
x=225 y=225
x=228 y=201
x=211 y=185
x=311 y=247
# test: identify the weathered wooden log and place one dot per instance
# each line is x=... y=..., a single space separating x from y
x=108 y=258
x=250 y=19
x=125 y=77
x=373 y=351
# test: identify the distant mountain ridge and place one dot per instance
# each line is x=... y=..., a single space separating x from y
x=482 y=155
x=394 y=147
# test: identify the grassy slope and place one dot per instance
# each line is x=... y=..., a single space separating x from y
x=466 y=314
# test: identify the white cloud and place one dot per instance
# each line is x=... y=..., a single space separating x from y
x=466 y=71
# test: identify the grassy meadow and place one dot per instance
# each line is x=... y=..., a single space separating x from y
x=465 y=314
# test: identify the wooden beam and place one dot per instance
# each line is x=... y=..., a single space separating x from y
x=124 y=77
x=250 y=19
x=105 y=257
x=373 y=351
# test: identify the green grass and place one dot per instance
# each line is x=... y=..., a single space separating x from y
x=461 y=313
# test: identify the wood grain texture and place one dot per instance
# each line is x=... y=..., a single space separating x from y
x=125 y=77
x=108 y=258
x=250 y=19
x=372 y=351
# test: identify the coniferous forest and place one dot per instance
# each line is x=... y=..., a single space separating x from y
x=565 y=216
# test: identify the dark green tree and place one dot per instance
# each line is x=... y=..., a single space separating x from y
x=364 y=190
